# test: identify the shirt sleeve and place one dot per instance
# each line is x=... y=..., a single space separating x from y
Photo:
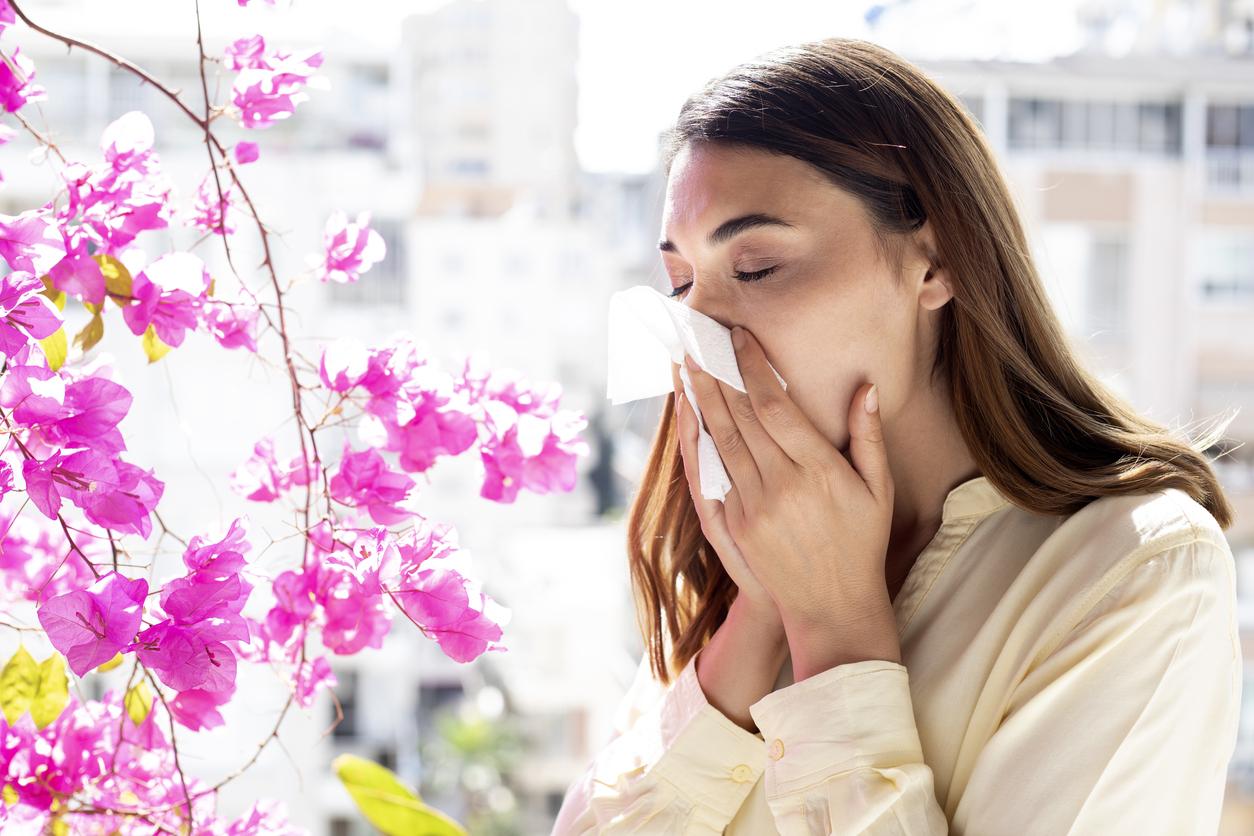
x=674 y=764
x=1126 y=725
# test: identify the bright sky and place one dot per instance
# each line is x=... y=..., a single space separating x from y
x=640 y=60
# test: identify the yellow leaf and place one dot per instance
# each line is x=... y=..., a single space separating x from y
x=209 y=290
x=57 y=296
x=388 y=804
x=53 y=693
x=110 y=665
x=19 y=681
x=59 y=827
x=91 y=334
x=138 y=702
x=9 y=795
x=55 y=347
x=93 y=308
x=153 y=347
x=117 y=279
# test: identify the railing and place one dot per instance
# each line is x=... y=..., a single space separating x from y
x=1230 y=171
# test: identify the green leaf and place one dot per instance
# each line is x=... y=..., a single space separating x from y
x=388 y=804
x=117 y=279
x=153 y=346
x=91 y=334
x=56 y=296
x=19 y=682
x=43 y=688
x=109 y=665
x=53 y=694
x=55 y=348
x=138 y=702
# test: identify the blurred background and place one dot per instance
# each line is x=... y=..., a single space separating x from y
x=508 y=152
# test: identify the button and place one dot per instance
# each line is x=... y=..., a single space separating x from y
x=741 y=773
x=777 y=749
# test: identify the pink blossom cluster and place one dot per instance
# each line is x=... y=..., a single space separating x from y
x=17 y=72
x=120 y=774
x=349 y=248
x=271 y=82
x=102 y=766
x=358 y=578
x=68 y=425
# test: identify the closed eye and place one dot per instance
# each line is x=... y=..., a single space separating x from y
x=756 y=275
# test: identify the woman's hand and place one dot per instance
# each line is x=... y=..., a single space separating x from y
x=809 y=526
x=753 y=598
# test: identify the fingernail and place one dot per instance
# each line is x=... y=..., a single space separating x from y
x=738 y=336
x=872 y=402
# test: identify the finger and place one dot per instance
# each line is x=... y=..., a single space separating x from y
x=866 y=442
x=732 y=448
x=710 y=512
x=777 y=411
x=773 y=463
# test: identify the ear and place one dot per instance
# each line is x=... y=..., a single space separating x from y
x=935 y=287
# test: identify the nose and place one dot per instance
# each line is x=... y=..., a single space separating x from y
x=709 y=305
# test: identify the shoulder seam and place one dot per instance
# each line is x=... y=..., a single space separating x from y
x=1113 y=576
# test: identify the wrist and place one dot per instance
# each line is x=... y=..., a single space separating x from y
x=819 y=646
x=765 y=617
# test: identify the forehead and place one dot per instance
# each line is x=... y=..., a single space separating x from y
x=709 y=183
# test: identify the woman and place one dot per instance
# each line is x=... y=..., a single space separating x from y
x=958 y=585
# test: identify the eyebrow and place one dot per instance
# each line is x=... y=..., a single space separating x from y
x=730 y=229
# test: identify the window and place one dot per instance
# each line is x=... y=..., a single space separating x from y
x=386 y=282
x=1105 y=292
x=1228 y=267
x=346 y=693
x=432 y=697
x=1230 y=126
x=1080 y=124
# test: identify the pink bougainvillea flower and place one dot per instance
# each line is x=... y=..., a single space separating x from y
x=30 y=242
x=246 y=152
x=364 y=480
x=169 y=292
x=184 y=659
x=262 y=479
x=125 y=195
x=111 y=492
x=232 y=324
x=210 y=212
x=433 y=587
x=312 y=676
x=32 y=563
x=25 y=313
x=64 y=411
x=197 y=708
x=17 y=81
x=271 y=83
x=90 y=626
x=531 y=443
x=78 y=274
x=344 y=364
x=349 y=248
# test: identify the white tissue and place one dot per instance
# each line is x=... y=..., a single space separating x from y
x=648 y=331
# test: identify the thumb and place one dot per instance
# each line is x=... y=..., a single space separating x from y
x=866 y=442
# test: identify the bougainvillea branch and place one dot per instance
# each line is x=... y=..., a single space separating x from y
x=68 y=488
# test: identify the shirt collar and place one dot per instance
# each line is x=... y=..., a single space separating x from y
x=975 y=497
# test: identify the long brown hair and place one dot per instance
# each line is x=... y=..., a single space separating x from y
x=1046 y=432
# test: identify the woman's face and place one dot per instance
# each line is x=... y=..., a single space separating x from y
x=830 y=316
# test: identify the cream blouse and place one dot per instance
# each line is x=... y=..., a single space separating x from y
x=1061 y=675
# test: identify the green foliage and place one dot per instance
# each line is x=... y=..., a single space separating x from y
x=390 y=805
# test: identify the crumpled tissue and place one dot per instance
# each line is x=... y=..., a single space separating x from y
x=648 y=331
